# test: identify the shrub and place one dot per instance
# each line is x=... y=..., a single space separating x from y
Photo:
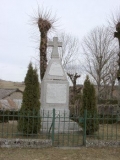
x=89 y=103
x=29 y=121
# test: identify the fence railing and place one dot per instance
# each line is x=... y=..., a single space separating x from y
x=76 y=130
x=15 y=124
x=102 y=127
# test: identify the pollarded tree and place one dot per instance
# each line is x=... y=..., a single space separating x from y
x=29 y=122
x=114 y=19
x=89 y=103
x=73 y=78
x=45 y=24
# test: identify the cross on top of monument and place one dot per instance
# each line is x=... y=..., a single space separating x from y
x=55 y=44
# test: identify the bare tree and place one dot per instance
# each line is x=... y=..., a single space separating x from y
x=110 y=80
x=99 y=50
x=73 y=78
x=70 y=50
x=69 y=54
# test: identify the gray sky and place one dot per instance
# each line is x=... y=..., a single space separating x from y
x=19 y=38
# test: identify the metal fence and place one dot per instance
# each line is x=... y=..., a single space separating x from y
x=64 y=130
x=105 y=128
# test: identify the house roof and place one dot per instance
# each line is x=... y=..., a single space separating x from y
x=6 y=92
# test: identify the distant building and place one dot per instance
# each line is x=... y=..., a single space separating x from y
x=10 y=99
x=10 y=104
x=11 y=93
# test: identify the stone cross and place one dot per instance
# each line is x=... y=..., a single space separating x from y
x=55 y=44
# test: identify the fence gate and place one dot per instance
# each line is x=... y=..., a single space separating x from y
x=64 y=131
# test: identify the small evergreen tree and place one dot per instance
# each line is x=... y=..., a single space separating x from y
x=89 y=103
x=29 y=122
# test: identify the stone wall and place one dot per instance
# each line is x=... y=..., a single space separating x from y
x=25 y=143
x=38 y=143
x=102 y=143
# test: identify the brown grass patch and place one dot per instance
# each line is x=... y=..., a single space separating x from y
x=12 y=85
x=60 y=154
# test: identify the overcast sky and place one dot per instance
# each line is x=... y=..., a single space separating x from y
x=19 y=37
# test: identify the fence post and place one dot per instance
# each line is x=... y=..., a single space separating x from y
x=84 y=127
x=53 y=126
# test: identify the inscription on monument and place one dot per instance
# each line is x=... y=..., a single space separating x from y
x=56 y=93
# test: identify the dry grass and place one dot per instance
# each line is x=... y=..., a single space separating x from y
x=9 y=130
x=11 y=85
x=60 y=154
x=107 y=132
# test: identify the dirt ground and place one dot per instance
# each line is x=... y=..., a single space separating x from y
x=82 y=153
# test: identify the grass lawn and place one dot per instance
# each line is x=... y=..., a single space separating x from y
x=60 y=154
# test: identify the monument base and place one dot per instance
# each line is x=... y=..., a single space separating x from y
x=59 y=113
x=62 y=122
x=61 y=127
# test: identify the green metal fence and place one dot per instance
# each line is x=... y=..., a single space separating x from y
x=64 y=131
x=85 y=129
x=9 y=124
x=108 y=127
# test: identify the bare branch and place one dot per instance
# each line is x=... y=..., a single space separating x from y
x=100 y=50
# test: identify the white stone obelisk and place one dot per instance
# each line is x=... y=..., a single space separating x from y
x=54 y=89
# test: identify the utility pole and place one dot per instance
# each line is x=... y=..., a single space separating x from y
x=117 y=35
